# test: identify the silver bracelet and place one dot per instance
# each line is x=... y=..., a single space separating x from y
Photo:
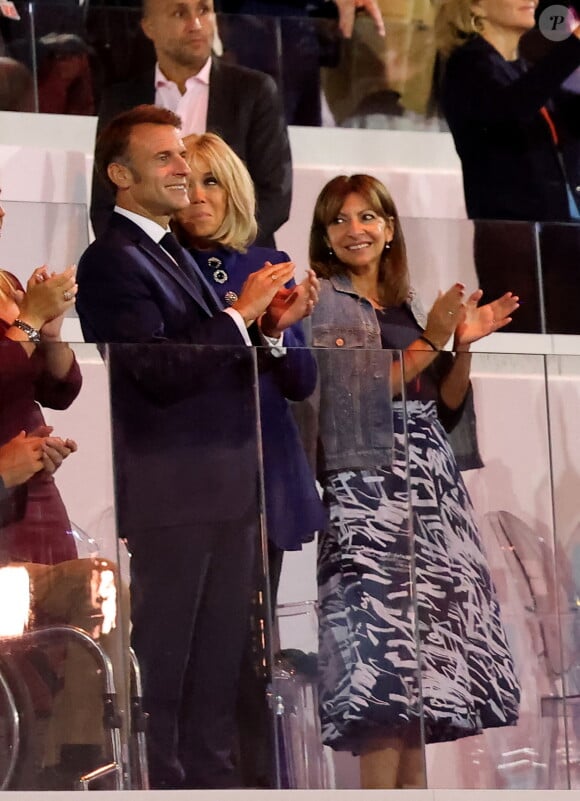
x=33 y=334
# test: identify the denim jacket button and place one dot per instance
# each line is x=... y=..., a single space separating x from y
x=339 y=342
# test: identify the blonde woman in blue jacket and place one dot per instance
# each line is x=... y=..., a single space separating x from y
x=409 y=621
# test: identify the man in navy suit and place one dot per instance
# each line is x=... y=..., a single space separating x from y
x=239 y=104
x=184 y=428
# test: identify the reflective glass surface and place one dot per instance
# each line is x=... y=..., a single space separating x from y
x=65 y=591
x=67 y=568
x=69 y=54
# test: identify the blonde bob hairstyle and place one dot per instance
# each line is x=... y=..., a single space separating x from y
x=239 y=228
x=393 y=270
x=455 y=23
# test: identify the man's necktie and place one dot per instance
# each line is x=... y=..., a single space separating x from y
x=187 y=266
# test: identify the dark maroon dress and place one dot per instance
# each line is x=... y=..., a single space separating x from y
x=42 y=533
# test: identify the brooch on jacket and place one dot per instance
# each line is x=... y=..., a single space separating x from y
x=219 y=275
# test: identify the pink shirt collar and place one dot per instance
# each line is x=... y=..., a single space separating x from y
x=201 y=77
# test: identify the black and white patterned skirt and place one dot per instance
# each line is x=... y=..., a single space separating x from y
x=409 y=624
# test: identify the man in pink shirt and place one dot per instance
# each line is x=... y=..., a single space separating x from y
x=239 y=104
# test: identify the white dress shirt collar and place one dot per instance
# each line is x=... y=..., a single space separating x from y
x=151 y=228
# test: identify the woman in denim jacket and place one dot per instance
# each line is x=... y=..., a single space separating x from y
x=381 y=591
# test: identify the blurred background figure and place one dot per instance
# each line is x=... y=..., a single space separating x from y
x=16 y=86
x=517 y=132
x=291 y=41
x=241 y=105
x=289 y=51
x=386 y=81
x=65 y=83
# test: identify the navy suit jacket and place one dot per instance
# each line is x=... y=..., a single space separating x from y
x=245 y=110
x=511 y=168
x=184 y=419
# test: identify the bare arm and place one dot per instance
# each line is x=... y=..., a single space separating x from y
x=476 y=323
x=441 y=323
x=58 y=356
x=454 y=386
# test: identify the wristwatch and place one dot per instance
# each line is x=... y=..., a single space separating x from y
x=33 y=334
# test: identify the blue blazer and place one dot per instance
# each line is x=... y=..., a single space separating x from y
x=293 y=507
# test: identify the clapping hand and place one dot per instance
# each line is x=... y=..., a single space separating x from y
x=288 y=306
x=20 y=459
x=54 y=452
x=48 y=296
x=54 y=449
x=260 y=288
x=479 y=321
x=445 y=314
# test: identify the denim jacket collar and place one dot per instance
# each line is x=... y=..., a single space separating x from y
x=342 y=283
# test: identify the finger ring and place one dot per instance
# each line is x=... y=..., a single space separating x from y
x=273 y=276
x=67 y=294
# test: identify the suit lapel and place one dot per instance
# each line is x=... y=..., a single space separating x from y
x=143 y=90
x=219 y=107
x=156 y=253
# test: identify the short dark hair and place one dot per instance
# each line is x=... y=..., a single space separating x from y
x=113 y=141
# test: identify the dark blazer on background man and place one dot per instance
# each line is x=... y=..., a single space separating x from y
x=245 y=110
x=511 y=169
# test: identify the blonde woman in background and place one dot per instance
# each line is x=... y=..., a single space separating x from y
x=517 y=132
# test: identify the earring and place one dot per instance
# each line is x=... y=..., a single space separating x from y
x=331 y=253
x=476 y=23
x=387 y=246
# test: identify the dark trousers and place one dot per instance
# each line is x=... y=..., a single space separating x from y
x=256 y=747
x=191 y=591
